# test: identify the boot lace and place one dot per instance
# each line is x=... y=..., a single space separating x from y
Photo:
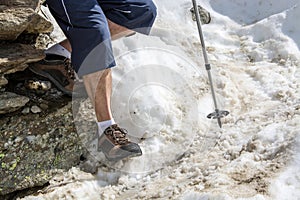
x=69 y=69
x=117 y=134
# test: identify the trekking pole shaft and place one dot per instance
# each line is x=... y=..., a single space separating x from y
x=212 y=90
x=198 y=20
x=207 y=65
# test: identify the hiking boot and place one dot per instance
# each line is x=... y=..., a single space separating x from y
x=116 y=146
x=58 y=70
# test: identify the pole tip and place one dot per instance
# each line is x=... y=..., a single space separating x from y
x=219 y=122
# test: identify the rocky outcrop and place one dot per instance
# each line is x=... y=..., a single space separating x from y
x=15 y=57
x=38 y=140
x=34 y=147
x=18 y=16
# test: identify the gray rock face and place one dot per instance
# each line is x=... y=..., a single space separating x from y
x=10 y=102
x=33 y=148
x=18 y=16
x=39 y=141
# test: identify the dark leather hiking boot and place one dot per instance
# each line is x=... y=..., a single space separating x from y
x=116 y=146
x=58 y=70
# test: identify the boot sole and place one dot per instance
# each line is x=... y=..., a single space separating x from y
x=116 y=159
x=122 y=158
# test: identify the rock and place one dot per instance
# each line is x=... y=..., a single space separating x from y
x=18 y=17
x=204 y=15
x=21 y=15
x=31 y=138
x=10 y=102
x=26 y=110
x=46 y=145
x=3 y=80
x=44 y=106
x=15 y=57
x=39 y=24
x=35 y=109
x=13 y=22
x=18 y=139
x=33 y=147
x=33 y=4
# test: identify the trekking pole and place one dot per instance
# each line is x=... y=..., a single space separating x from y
x=218 y=114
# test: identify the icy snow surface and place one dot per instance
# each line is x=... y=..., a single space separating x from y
x=161 y=94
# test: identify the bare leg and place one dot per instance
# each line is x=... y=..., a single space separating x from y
x=99 y=84
x=113 y=143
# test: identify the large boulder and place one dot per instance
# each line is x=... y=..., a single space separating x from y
x=33 y=147
x=18 y=16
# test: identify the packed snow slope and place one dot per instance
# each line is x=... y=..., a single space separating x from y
x=161 y=93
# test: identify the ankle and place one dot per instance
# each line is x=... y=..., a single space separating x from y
x=104 y=125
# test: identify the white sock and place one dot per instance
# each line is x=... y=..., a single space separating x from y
x=104 y=124
x=57 y=49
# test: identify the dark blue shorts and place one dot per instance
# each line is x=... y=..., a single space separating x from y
x=84 y=24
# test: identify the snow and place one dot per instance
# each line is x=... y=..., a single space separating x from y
x=161 y=94
x=286 y=185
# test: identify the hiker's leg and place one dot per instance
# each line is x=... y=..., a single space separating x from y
x=141 y=18
x=90 y=29
x=98 y=86
x=105 y=19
